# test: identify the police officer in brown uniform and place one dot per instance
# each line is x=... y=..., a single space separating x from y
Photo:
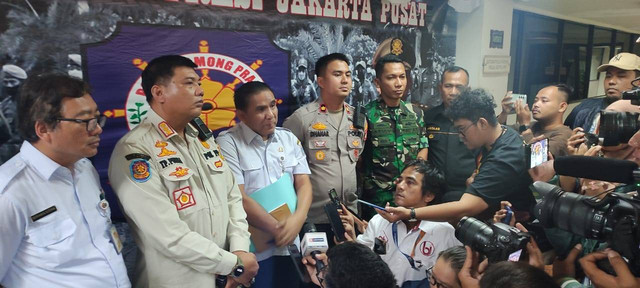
x=330 y=140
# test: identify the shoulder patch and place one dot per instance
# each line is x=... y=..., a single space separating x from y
x=140 y=170
x=137 y=156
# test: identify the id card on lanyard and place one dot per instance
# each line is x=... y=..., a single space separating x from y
x=415 y=264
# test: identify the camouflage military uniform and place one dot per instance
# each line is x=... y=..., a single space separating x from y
x=396 y=135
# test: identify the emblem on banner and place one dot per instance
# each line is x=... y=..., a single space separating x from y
x=217 y=93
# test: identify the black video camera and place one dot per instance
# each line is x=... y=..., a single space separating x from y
x=633 y=94
x=617 y=127
x=498 y=241
x=614 y=219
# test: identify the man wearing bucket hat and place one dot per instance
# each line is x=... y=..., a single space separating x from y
x=620 y=71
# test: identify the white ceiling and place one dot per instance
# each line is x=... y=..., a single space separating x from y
x=618 y=14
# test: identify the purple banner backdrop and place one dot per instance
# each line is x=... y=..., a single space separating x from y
x=225 y=60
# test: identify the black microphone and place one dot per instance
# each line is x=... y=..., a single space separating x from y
x=204 y=133
x=598 y=168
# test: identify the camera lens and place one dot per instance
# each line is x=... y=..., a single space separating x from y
x=617 y=127
x=475 y=233
x=569 y=212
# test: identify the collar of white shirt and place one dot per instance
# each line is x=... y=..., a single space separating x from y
x=39 y=162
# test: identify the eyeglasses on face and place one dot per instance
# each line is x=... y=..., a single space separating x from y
x=433 y=282
x=91 y=123
x=463 y=130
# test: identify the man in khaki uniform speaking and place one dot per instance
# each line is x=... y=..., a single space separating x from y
x=178 y=194
x=330 y=140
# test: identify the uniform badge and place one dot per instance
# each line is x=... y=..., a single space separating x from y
x=430 y=136
x=163 y=149
x=320 y=155
x=319 y=126
x=280 y=149
x=355 y=153
x=205 y=144
x=356 y=143
x=183 y=198
x=218 y=164
x=299 y=143
x=165 y=129
x=320 y=143
x=140 y=171
x=323 y=108
x=180 y=172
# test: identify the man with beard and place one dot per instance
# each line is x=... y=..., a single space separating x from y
x=12 y=79
x=621 y=70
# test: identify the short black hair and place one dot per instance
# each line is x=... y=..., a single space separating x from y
x=353 y=265
x=323 y=62
x=41 y=100
x=243 y=94
x=161 y=69
x=432 y=178
x=565 y=90
x=473 y=105
x=453 y=69
x=456 y=256
x=507 y=274
x=389 y=58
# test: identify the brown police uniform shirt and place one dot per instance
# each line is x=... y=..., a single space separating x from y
x=332 y=151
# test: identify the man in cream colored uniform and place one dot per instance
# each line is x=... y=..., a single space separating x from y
x=330 y=140
x=179 y=196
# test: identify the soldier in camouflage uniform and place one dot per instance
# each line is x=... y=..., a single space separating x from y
x=396 y=130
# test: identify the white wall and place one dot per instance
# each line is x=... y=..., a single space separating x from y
x=472 y=44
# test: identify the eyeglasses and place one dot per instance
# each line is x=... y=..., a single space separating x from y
x=433 y=281
x=463 y=130
x=92 y=123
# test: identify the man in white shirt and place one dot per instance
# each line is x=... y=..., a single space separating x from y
x=259 y=153
x=411 y=247
x=56 y=227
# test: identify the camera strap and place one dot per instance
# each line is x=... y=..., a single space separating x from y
x=412 y=262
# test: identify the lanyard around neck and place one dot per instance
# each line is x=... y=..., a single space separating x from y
x=394 y=230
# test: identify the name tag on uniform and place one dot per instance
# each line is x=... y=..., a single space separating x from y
x=45 y=212
x=115 y=239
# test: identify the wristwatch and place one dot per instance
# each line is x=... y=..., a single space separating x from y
x=523 y=128
x=412 y=214
x=238 y=269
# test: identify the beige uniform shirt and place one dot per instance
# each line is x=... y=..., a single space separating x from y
x=182 y=203
x=332 y=151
